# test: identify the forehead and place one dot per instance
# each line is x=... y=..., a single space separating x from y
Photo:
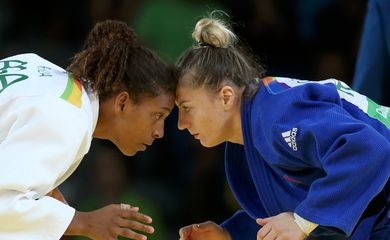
x=193 y=94
x=163 y=100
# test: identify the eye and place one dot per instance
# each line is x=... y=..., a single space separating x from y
x=185 y=109
x=158 y=116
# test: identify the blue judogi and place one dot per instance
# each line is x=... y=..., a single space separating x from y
x=318 y=149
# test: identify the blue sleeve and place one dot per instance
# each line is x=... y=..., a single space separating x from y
x=241 y=226
x=354 y=156
x=372 y=70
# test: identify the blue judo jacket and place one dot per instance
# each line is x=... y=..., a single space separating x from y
x=318 y=149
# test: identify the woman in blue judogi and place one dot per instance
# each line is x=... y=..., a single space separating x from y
x=305 y=160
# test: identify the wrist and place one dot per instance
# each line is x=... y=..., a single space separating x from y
x=78 y=225
x=306 y=226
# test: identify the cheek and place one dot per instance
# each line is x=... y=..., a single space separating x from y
x=123 y=137
x=128 y=132
x=206 y=124
x=139 y=129
x=215 y=126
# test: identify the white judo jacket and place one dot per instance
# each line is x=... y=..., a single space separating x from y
x=46 y=124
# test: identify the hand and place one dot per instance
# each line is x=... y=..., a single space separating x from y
x=109 y=222
x=280 y=227
x=204 y=231
x=56 y=193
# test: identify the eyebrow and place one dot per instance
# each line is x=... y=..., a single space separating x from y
x=166 y=109
x=181 y=103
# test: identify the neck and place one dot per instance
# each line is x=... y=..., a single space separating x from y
x=99 y=132
x=236 y=135
x=102 y=127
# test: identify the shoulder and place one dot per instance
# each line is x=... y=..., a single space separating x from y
x=290 y=88
x=26 y=60
x=280 y=96
x=283 y=102
x=50 y=112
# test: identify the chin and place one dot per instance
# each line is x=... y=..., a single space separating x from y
x=128 y=152
x=208 y=144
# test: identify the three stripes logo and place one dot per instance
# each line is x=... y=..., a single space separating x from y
x=290 y=138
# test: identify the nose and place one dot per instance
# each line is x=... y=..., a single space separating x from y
x=158 y=132
x=182 y=122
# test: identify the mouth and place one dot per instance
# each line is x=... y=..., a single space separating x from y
x=196 y=135
x=146 y=145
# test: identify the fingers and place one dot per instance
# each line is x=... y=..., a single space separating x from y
x=205 y=230
x=262 y=221
x=125 y=207
x=185 y=232
x=128 y=233
x=130 y=220
x=125 y=223
x=280 y=226
x=136 y=216
x=270 y=236
x=203 y=226
x=264 y=231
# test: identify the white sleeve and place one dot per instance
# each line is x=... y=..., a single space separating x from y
x=305 y=225
x=44 y=135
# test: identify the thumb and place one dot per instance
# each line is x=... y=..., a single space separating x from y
x=262 y=221
x=203 y=226
x=184 y=232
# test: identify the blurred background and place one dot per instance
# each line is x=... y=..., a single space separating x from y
x=177 y=181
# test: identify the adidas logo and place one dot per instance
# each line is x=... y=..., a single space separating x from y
x=290 y=138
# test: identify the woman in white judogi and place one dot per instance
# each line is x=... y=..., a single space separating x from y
x=48 y=118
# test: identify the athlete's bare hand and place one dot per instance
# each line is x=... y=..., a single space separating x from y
x=204 y=231
x=110 y=222
x=280 y=227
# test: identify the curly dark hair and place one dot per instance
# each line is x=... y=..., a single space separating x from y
x=112 y=60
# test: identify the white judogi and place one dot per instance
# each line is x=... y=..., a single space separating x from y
x=43 y=137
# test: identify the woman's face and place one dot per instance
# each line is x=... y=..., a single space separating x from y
x=132 y=127
x=203 y=114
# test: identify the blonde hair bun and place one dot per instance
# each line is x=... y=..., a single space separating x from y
x=213 y=32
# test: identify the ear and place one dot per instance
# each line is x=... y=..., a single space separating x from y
x=122 y=101
x=228 y=95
